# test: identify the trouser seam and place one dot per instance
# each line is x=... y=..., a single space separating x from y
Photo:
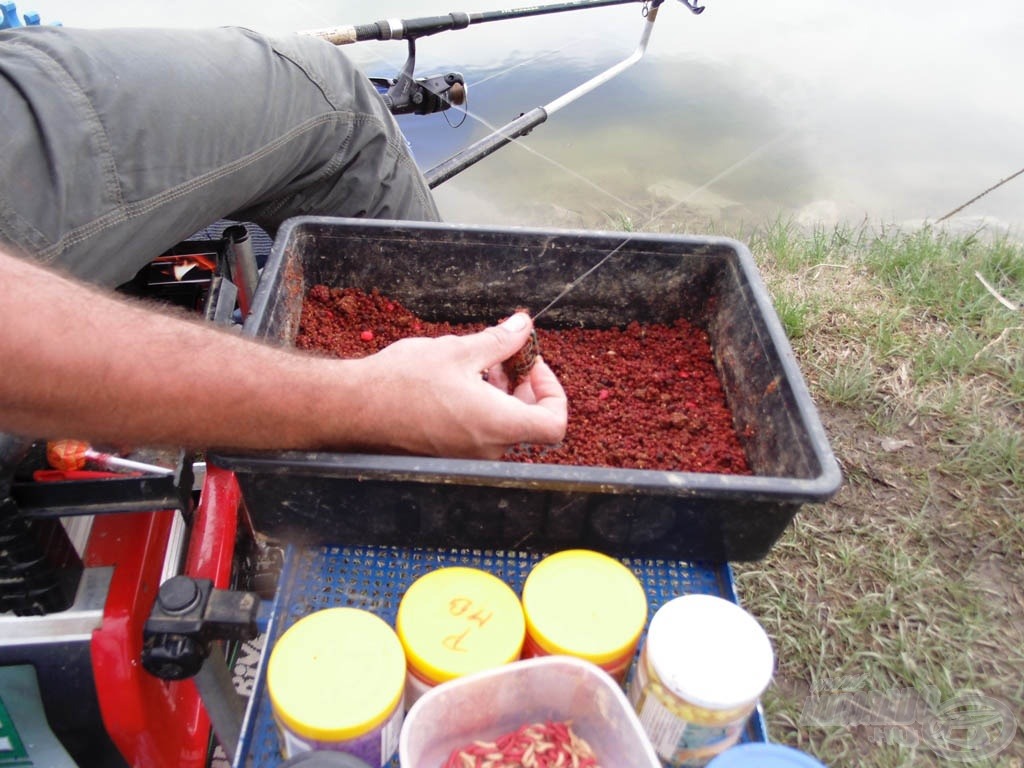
x=98 y=132
x=133 y=210
x=396 y=143
x=70 y=89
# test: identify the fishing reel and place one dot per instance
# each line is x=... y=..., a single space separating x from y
x=422 y=96
x=406 y=95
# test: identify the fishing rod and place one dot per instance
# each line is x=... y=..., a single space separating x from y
x=407 y=94
x=410 y=29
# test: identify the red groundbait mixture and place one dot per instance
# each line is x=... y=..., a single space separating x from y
x=640 y=397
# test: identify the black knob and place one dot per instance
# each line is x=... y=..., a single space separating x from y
x=178 y=594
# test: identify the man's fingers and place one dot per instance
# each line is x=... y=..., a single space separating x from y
x=546 y=386
x=548 y=414
x=499 y=342
x=538 y=412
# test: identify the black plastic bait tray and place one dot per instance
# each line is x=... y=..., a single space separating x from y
x=462 y=274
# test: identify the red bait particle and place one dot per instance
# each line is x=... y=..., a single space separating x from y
x=603 y=394
x=366 y=335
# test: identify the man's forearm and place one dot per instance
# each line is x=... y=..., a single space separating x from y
x=80 y=362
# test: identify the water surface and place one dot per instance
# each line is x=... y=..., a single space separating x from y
x=823 y=112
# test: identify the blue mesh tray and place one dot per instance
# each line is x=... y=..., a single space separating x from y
x=375 y=578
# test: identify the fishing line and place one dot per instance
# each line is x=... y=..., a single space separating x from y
x=464 y=110
x=718 y=177
x=580 y=278
x=557 y=104
x=478 y=83
x=743 y=161
x=517 y=140
x=564 y=168
x=517 y=65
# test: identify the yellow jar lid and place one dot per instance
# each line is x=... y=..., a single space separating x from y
x=336 y=674
x=585 y=604
x=455 y=621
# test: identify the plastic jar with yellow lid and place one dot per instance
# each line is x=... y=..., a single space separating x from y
x=703 y=667
x=584 y=604
x=336 y=680
x=456 y=621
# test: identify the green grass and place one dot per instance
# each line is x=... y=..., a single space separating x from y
x=938 y=272
x=911 y=578
x=793 y=314
x=794 y=250
x=991 y=457
x=850 y=382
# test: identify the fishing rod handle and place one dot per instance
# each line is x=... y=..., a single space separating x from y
x=391 y=29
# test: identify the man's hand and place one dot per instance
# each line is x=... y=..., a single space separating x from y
x=428 y=396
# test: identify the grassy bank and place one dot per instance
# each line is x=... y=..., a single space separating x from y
x=907 y=589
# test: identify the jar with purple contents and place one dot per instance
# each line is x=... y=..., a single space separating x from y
x=336 y=680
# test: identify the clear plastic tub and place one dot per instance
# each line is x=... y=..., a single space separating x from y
x=489 y=704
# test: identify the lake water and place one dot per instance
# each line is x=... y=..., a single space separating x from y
x=824 y=112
